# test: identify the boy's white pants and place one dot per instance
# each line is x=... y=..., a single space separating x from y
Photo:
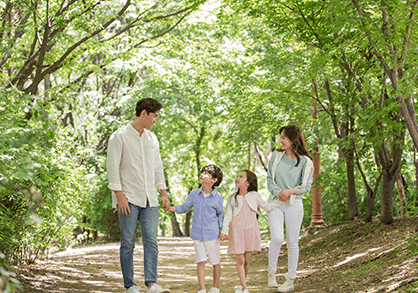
x=291 y=216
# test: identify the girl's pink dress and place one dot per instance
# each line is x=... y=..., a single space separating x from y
x=244 y=232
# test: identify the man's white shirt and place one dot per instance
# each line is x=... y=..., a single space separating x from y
x=134 y=166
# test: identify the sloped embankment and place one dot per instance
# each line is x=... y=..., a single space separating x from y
x=355 y=257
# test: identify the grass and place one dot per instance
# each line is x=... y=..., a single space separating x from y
x=356 y=257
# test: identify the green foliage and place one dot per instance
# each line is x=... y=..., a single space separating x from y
x=229 y=75
x=8 y=280
x=43 y=191
x=103 y=217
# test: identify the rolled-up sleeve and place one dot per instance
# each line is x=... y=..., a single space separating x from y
x=159 y=170
x=220 y=212
x=184 y=208
x=228 y=217
x=114 y=156
x=305 y=189
x=271 y=186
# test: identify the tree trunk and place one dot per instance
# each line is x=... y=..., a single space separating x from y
x=317 y=218
x=371 y=194
x=174 y=224
x=401 y=193
x=348 y=155
x=341 y=200
x=351 y=186
x=391 y=166
x=416 y=166
x=260 y=154
x=176 y=227
x=370 y=204
x=408 y=113
x=387 y=197
x=186 y=227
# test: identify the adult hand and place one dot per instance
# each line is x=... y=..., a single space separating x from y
x=164 y=199
x=123 y=204
x=284 y=194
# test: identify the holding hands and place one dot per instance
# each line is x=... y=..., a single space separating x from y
x=164 y=199
x=167 y=208
x=223 y=237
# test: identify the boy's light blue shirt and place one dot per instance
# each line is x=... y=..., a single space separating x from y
x=208 y=214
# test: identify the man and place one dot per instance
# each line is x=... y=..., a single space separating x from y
x=135 y=170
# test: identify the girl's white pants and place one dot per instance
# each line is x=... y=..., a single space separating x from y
x=291 y=216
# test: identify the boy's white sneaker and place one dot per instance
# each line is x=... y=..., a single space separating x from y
x=133 y=289
x=272 y=283
x=202 y=291
x=239 y=289
x=157 y=289
x=215 y=290
x=287 y=286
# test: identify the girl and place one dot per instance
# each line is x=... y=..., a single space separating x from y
x=289 y=176
x=244 y=232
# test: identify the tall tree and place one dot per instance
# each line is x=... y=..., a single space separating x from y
x=391 y=27
x=51 y=36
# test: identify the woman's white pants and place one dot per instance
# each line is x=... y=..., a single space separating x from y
x=291 y=216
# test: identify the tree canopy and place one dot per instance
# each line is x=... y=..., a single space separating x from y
x=229 y=75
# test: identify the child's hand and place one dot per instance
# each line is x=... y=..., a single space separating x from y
x=223 y=237
x=273 y=205
x=170 y=209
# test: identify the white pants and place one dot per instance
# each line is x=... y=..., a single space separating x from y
x=291 y=216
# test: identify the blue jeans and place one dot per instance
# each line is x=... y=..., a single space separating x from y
x=148 y=220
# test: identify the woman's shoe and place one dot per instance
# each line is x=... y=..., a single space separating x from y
x=287 y=286
x=272 y=279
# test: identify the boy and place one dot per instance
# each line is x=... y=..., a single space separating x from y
x=207 y=222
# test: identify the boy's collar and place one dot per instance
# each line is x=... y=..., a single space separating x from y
x=212 y=192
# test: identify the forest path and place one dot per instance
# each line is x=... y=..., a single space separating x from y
x=343 y=258
x=96 y=269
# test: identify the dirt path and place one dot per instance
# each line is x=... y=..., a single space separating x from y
x=97 y=270
x=344 y=258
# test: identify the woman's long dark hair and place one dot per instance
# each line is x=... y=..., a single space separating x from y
x=252 y=181
x=294 y=134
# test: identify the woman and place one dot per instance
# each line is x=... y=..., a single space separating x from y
x=289 y=177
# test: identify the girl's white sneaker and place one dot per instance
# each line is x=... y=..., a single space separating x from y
x=287 y=286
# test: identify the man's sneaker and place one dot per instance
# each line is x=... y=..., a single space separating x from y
x=287 y=286
x=133 y=289
x=157 y=289
x=272 y=279
x=239 y=289
x=214 y=290
x=202 y=291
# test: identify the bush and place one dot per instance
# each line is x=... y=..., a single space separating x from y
x=44 y=191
